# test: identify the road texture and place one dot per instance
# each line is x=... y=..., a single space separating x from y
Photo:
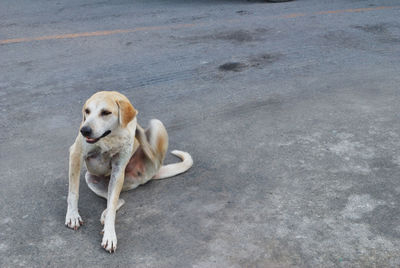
x=290 y=111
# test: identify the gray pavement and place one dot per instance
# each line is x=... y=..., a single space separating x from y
x=290 y=111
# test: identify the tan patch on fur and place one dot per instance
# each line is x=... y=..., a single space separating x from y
x=161 y=142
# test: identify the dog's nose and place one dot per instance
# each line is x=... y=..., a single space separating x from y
x=86 y=131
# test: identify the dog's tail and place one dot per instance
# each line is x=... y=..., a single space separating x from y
x=171 y=170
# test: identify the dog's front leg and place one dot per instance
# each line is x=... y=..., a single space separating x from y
x=73 y=220
x=109 y=241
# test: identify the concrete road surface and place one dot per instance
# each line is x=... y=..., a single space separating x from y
x=290 y=111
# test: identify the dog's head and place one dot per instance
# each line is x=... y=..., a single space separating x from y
x=105 y=112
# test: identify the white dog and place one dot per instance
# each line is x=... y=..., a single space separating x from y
x=119 y=156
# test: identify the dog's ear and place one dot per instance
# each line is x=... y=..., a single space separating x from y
x=126 y=112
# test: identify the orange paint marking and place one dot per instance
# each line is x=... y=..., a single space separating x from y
x=355 y=10
x=295 y=15
x=97 y=33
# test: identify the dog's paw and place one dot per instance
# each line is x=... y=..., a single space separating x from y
x=109 y=241
x=73 y=220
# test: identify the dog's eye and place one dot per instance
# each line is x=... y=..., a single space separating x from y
x=87 y=111
x=104 y=113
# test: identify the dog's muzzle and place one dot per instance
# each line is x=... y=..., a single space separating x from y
x=89 y=140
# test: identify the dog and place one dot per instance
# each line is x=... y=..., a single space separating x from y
x=119 y=156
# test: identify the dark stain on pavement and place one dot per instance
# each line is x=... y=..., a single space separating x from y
x=345 y=39
x=6 y=25
x=382 y=163
x=384 y=218
x=243 y=12
x=258 y=61
x=236 y=36
x=384 y=221
x=272 y=103
x=25 y=63
x=373 y=28
x=264 y=59
x=380 y=30
x=232 y=66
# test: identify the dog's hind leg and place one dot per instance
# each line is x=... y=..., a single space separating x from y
x=157 y=137
x=148 y=158
x=99 y=185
